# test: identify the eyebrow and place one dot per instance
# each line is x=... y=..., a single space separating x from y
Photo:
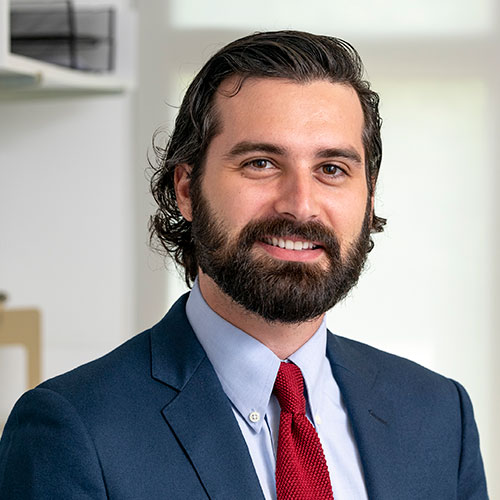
x=347 y=153
x=245 y=147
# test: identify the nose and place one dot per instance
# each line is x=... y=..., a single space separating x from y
x=298 y=198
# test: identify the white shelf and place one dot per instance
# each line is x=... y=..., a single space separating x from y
x=22 y=74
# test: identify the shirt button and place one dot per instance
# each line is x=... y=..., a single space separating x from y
x=318 y=419
x=254 y=416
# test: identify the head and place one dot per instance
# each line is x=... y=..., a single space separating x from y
x=289 y=56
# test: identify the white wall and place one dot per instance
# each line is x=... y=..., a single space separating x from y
x=429 y=291
x=67 y=232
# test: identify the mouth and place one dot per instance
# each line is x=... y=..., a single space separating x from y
x=292 y=248
x=291 y=244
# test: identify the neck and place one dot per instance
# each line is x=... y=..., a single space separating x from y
x=281 y=338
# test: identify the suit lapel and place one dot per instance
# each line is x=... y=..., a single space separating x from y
x=373 y=415
x=200 y=415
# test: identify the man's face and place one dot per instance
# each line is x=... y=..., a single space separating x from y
x=281 y=222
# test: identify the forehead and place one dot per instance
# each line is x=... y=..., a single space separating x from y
x=285 y=110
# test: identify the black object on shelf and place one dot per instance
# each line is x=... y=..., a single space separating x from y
x=59 y=33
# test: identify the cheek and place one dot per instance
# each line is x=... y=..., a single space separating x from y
x=238 y=206
x=346 y=216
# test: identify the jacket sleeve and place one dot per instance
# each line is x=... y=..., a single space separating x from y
x=471 y=478
x=47 y=453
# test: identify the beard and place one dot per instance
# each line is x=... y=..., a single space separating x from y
x=277 y=290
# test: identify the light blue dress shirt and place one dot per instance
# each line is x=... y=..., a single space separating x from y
x=247 y=370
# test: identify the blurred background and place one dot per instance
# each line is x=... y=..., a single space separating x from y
x=75 y=202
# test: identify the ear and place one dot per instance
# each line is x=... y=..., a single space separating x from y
x=182 y=183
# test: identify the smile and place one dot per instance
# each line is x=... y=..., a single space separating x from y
x=288 y=244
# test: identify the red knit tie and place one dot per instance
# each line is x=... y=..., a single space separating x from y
x=301 y=469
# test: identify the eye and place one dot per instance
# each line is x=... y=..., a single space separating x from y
x=331 y=173
x=331 y=170
x=258 y=168
x=259 y=164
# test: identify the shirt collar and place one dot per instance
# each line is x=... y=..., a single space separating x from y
x=245 y=367
x=311 y=359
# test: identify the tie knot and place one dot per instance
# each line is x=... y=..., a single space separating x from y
x=289 y=389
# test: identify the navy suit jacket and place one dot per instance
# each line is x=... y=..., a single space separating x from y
x=151 y=421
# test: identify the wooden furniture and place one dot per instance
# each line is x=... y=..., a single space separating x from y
x=22 y=327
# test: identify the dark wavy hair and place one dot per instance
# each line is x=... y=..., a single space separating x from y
x=292 y=55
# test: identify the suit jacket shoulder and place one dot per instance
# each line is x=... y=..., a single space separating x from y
x=414 y=428
x=149 y=419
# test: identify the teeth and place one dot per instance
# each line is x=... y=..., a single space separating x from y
x=289 y=244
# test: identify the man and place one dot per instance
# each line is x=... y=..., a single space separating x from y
x=265 y=195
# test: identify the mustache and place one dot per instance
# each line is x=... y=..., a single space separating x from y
x=280 y=228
